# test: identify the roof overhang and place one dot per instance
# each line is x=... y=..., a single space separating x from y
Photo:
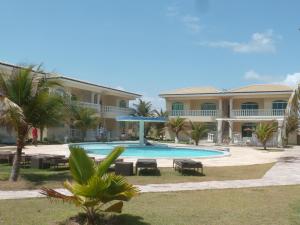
x=225 y=94
x=71 y=82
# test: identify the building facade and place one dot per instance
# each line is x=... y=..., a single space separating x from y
x=233 y=114
x=107 y=102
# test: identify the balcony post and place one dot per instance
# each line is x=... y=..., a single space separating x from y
x=98 y=98
x=219 y=131
x=220 y=107
x=92 y=97
x=230 y=107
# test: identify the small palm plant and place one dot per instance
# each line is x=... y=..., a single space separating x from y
x=198 y=131
x=93 y=189
x=177 y=125
x=264 y=132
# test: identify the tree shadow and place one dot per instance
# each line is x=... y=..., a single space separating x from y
x=43 y=178
x=187 y=172
x=149 y=172
x=106 y=219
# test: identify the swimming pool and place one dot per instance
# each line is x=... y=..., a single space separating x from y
x=157 y=151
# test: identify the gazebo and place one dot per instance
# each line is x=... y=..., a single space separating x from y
x=141 y=120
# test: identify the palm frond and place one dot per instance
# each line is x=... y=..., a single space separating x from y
x=81 y=166
x=106 y=163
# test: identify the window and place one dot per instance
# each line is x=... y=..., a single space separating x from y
x=208 y=106
x=248 y=129
x=95 y=99
x=279 y=104
x=177 y=106
x=249 y=105
x=122 y=104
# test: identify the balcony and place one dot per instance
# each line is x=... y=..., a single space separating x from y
x=113 y=111
x=96 y=107
x=195 y=115
x=257 y=113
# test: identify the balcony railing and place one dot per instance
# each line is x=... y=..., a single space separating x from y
x=257 y=113
x=97 y=107
x=200 y=113
x=116 y=110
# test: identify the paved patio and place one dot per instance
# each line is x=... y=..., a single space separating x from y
x=285 y=172
x=240 y=156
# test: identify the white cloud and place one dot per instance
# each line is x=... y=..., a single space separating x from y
x=192 y=23
x=289 y=79
x=120 y=88
x=292 y=79
x=259 y=43
x=172 y=11
x=252 y=75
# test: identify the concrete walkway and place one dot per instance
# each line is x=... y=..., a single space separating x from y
x=285 y=172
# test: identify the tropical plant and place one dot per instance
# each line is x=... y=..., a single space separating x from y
x=85 y=119
x=23 y=88
x=197 y=131
x=291 y=126
x=143 y=108
x=159 y=128
x=93 y=189
x=47 y=111
x=177 y=125
x=264 y=132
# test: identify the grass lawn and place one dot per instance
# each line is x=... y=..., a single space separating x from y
x=35 y=178
x=267 y=206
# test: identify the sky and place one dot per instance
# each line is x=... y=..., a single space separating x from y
x=149 y=47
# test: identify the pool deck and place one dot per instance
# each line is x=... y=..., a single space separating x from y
x=239 y=155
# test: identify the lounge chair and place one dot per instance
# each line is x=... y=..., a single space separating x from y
x=184 y=164
x=145 y=164
x=7 y=156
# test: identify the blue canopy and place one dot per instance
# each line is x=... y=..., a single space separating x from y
x=141 y=118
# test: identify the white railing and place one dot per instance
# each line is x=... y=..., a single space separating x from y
x=90 y=105
x=201 y=113
x=257 y=113
x=210 y=137
x=116 y=110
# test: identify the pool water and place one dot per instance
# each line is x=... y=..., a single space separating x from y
x=159 y=151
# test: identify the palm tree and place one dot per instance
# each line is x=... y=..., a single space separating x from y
x=177 y=125
x=93 y=187
x=143 y=108
x=47 y=111
x=197 y=131
x=22 y=88
x=160 y=127
x=265 y=131
x=291 y=126
x=85 y=119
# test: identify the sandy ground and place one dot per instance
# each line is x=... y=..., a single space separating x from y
x=238 y=155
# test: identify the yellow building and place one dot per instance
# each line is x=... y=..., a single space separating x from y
x=232 y=114
x=107 y=102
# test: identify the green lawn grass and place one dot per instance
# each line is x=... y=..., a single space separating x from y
x=266 y=206
x=53 y=178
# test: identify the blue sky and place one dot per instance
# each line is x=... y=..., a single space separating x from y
x=152 y=46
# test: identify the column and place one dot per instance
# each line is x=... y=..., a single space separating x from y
x=221 y=107
x=141 y=132
x=98 y=99
x=230 y=131
x=279 y=133
x=219 y=132
x=230 y=107
x=92 y=97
